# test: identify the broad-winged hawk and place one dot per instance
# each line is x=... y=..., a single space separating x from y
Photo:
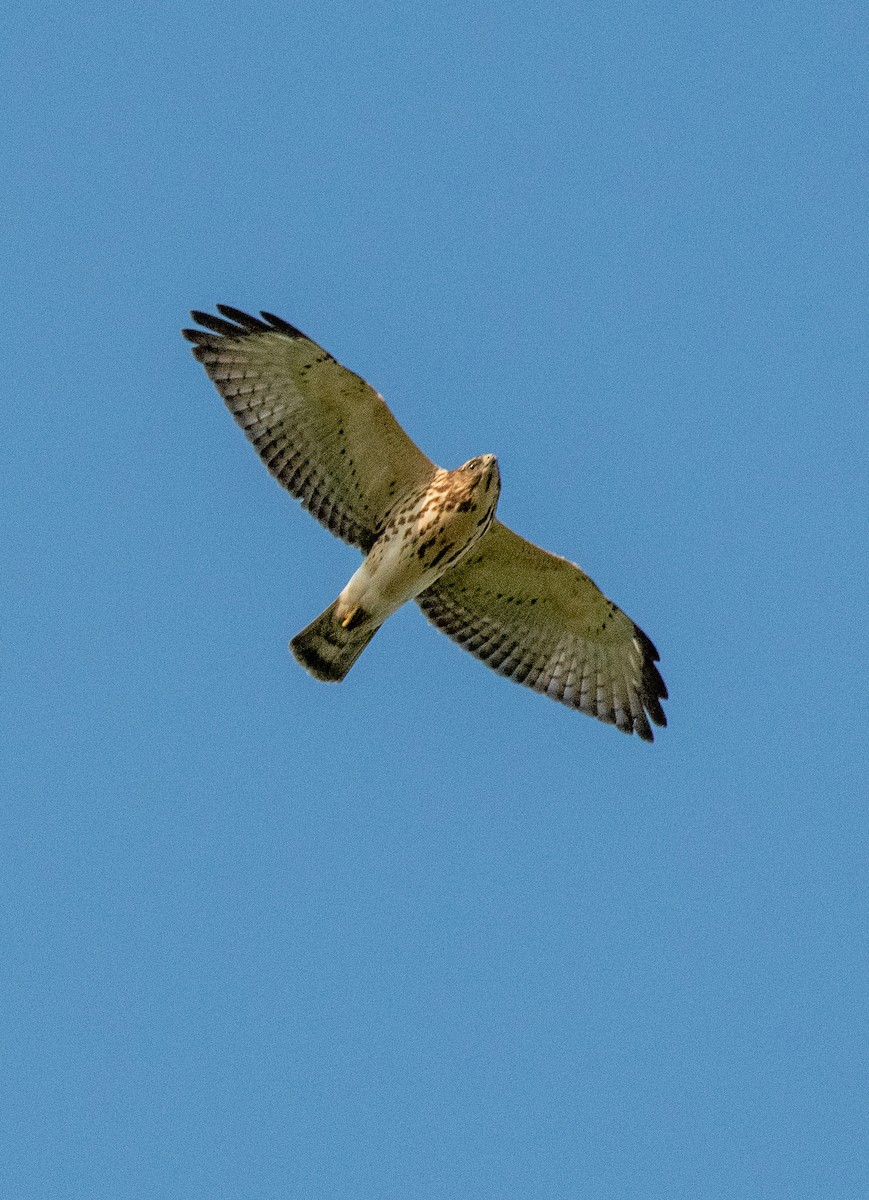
x=427 y=534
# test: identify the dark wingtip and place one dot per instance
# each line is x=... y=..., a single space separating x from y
x=654 y=688
x=217 y=324
x=234 y=323
x=653 y=708
x=248 y=323
x=203 y=343
x=282 y=326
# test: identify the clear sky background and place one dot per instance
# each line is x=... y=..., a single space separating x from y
x=428 y=934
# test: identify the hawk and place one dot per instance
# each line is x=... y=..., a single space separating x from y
x=428 y=534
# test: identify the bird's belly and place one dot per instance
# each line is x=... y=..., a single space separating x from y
x=408 y=559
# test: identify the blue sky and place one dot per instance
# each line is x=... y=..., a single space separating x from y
x=427 y=934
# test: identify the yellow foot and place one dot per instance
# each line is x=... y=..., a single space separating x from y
x=354 y=617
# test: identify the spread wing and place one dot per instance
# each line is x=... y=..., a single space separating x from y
x=538 y=619
x=323 y=432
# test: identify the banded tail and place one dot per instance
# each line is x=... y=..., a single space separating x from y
x=329 y=646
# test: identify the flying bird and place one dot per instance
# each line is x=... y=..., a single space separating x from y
x=428 y=534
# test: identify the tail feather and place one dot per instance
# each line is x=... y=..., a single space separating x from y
x=327 y=648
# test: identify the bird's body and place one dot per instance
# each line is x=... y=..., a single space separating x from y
x=423 y=535
x=427 y=534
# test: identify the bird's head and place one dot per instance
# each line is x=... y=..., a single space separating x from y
x=484 y=470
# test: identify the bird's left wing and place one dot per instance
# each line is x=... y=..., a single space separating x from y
x=323 y=432
x=541 y=621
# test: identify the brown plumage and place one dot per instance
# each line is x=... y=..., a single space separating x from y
x=428 y=534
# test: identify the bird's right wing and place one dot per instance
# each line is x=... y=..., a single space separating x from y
x=322 y=431
x=541 y=621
